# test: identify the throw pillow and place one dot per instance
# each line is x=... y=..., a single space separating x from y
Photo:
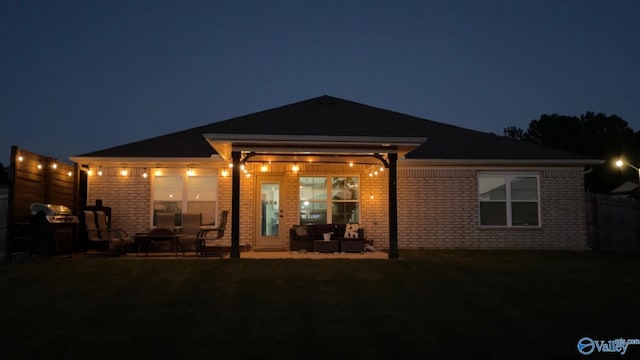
x=351 y=231
x=302 y=232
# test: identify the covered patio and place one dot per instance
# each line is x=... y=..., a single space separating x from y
x=240 y=149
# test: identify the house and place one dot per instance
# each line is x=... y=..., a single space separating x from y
x=629 y=189
x=410 y=182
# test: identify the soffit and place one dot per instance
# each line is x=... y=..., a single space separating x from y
x=310 y=147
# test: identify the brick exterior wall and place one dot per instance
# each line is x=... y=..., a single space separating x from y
x=129 y=198
x=437 y=207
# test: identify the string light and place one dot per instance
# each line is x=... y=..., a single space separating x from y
x=124 y=172
x=54 y=165
x=189 y=171
x=100 y=170
x=295 y=168
x=144 y=173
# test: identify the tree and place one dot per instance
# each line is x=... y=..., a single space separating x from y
x=514 y=132
x=591 y=134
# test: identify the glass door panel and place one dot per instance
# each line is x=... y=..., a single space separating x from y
x=269 y=213
x=270 y=210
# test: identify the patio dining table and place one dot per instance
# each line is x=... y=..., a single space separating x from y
x=144 y=240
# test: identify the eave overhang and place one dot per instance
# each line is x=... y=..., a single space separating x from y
x=504 y=162
x=310 y=147
x=166 y=162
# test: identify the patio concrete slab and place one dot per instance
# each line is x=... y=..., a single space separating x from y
x=190 y=255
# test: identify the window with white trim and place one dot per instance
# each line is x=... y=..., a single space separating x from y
x=509 y=199
x=324 y=203
x=182 y=193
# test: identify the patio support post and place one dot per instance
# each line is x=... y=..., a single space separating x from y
x=393 y=207
x=235 y=205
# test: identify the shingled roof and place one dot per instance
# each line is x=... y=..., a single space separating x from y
x=330 y=116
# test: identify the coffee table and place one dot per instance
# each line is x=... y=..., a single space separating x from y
x=144 y=240
x=326 y=246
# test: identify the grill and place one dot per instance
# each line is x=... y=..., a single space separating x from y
x=54 y=229
x=52 y=213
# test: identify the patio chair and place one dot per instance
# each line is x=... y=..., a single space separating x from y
x=166 y=220
x=208 y=242
x=92 y=232
x=190 y=227
x=117 y=239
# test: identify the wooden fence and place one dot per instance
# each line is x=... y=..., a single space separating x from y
x=35 y=178
x=613 y=224
x=4 y=212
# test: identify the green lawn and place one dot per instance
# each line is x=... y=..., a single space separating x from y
x=431 y=304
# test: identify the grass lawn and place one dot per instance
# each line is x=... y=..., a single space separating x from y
x=431 y=304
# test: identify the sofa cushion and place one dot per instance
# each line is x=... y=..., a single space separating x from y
x=351 y=231
x=302 y=232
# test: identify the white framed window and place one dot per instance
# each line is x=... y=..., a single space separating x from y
x=329 y=199
x=509 y=200
x=179 y=193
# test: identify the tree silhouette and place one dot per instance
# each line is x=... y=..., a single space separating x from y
x=601 y=136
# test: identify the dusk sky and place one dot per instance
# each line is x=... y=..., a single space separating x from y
x=80 y=76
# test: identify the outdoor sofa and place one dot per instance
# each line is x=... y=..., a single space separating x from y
x=349 y=237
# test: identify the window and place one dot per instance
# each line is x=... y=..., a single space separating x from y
x=179 y=193
x=320 y=201
x=167 y=196
x=509 y=200
x=202 y=196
